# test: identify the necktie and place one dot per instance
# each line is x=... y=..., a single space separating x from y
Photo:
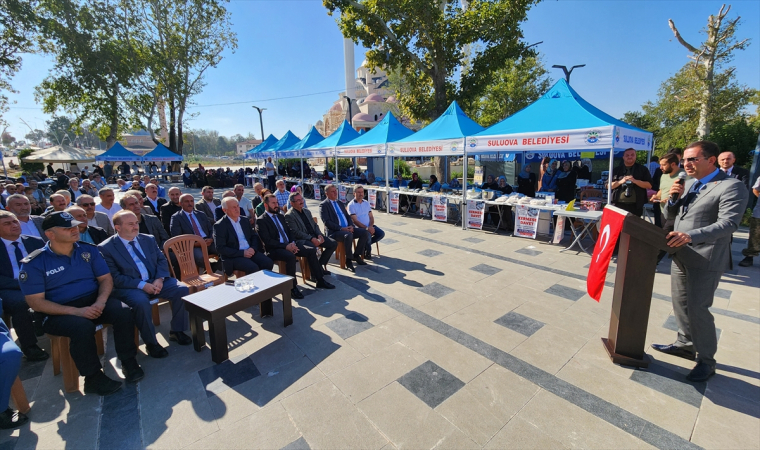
x=19 y=255
x=692 y=195
x=341 y=217
x=140 y=255
x=283 y=236
x=196 y=230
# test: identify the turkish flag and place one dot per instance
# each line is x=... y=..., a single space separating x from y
x=610 y=228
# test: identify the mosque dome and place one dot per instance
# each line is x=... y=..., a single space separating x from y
x=336 y=107
x=373 y=98
x=392 y=99
x=362 y=117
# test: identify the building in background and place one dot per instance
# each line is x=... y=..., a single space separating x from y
x=244 y=146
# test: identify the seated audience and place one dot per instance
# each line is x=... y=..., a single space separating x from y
x=339 y=227
x=152 y=200
x=95 y=218
x=208 y=204
x=148 y=224
x=107 y=203
x=304 y=227
x=362 y=217
x=238 y=244
x=190 y=221
x=87 y=234
x=30 y=225
x=171 y=207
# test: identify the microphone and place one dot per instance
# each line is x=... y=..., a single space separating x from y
x=681 y=181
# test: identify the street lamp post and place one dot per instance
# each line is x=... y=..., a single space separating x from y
x=261 y=121
x=567 y=72
x=350 y=115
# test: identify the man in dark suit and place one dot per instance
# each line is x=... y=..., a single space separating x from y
x=707 y=212
x=170 y=208
x=15 y=248
x=280 y=246
x=190 y=221
x=89 y=234
x=304 y=228
x=31 y=225
x=140 y=273
x=338 y=225
x=152 y=200
x=208 y=204
x=238 y=245
x=219 y=212
x=148 y=224
x=726 y=162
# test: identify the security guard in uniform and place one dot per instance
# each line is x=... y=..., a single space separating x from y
x=69 y=282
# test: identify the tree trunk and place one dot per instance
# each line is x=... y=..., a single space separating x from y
x=114 y=125
x=162 y=120
x=172 y=125
x=441 y=103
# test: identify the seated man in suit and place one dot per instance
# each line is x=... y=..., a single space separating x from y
x=140 y=272
x=168 y=210
x=15 y=248
x=278 y=243
x=149 y=224
x=304 y=228
x=30 y=225
x=152 y=200
x=10 y=361
x=89 y=234
x=208 y=204
x=338 y=224
x=237 y=243
x=190 y=221
x=95 y=218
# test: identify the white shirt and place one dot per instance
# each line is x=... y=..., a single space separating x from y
x=245 y=204
x=728 y=171
x=270 y=169
x=242 y=241
x=29 y=228
x=361 y=210
x=212 y=206
x=153 y=202
x=92 y=222
x=109 y=212
x=11 y=249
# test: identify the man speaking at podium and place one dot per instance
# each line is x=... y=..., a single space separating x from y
x=706 y=210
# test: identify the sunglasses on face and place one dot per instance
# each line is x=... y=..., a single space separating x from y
x=88 y=204
x=692 y=160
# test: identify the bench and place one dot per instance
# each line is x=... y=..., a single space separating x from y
x=217 y=303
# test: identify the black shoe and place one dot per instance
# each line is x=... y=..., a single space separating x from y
x=672 y=349
x=368 y=256
x=701 y=372
x=100 y=384
x=12 y=419
x=360 y=262
x=325 y=271
x=350 y=265
x=746 y=262
x=296 y=294
x=156 y=351
x=34 y=353
x=180 y=337
x=322 y=284
x=132 y=371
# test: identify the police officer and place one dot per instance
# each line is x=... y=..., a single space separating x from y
x=69 y=282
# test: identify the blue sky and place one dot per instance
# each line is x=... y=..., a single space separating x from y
x=293 y=48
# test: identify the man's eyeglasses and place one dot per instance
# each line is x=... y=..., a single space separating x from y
x=692 y=160
x=85 y=205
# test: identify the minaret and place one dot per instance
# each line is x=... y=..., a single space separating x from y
x=348 y=56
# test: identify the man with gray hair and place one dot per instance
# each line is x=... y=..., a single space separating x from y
x=147 y=223
x=95 y=218
x=74 y=189
x=237 y=243
x=30 y=225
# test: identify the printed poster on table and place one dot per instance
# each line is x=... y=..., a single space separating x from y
x=476 y=210
x=440 y=208
x=393 y=195
x=559 y=230
x=342 y=193
x=317 y=192
x=372 y=198
x=526 y=221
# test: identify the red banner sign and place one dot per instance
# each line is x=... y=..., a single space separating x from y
x=609 y=231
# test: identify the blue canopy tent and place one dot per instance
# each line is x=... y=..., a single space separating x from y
x=285 y=143
x=374 y=142
x=313 y=137
x=268 y=142
x=161 y=153
x=117 y=153
x=326 y=148
x=560 y=125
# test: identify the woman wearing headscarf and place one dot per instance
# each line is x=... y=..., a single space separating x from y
x=566 y=179
x=584 y=172
x=549 y=179
x=526 y=181
x=490 y=183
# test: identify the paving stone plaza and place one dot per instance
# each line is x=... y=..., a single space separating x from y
x=449 y=339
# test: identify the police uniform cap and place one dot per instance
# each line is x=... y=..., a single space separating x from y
x=60 y=219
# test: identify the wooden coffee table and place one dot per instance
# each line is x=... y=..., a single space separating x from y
x=217 y=303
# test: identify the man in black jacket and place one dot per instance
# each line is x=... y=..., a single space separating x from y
x=338 y=225
x=243 y=254
x=168 y=209
x=630 y=182
x=90 y=234
x=726 y=162
x=152 y=200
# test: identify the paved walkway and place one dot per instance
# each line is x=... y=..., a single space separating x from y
x=449 y=339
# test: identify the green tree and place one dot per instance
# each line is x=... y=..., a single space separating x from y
x=35 y=135
x=17 y=28
x=517 y=85
x=91 y=63
x=676 y=111
x=426 y=42
x=58 y=129
x=709 y=57
x=178 y=41
x=28 y=167
x=738 y=136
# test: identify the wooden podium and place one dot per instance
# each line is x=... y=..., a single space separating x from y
x=640 y=243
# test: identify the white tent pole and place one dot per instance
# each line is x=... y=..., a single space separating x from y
x=609 y=170
x=463 y=212
x=387 y=182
